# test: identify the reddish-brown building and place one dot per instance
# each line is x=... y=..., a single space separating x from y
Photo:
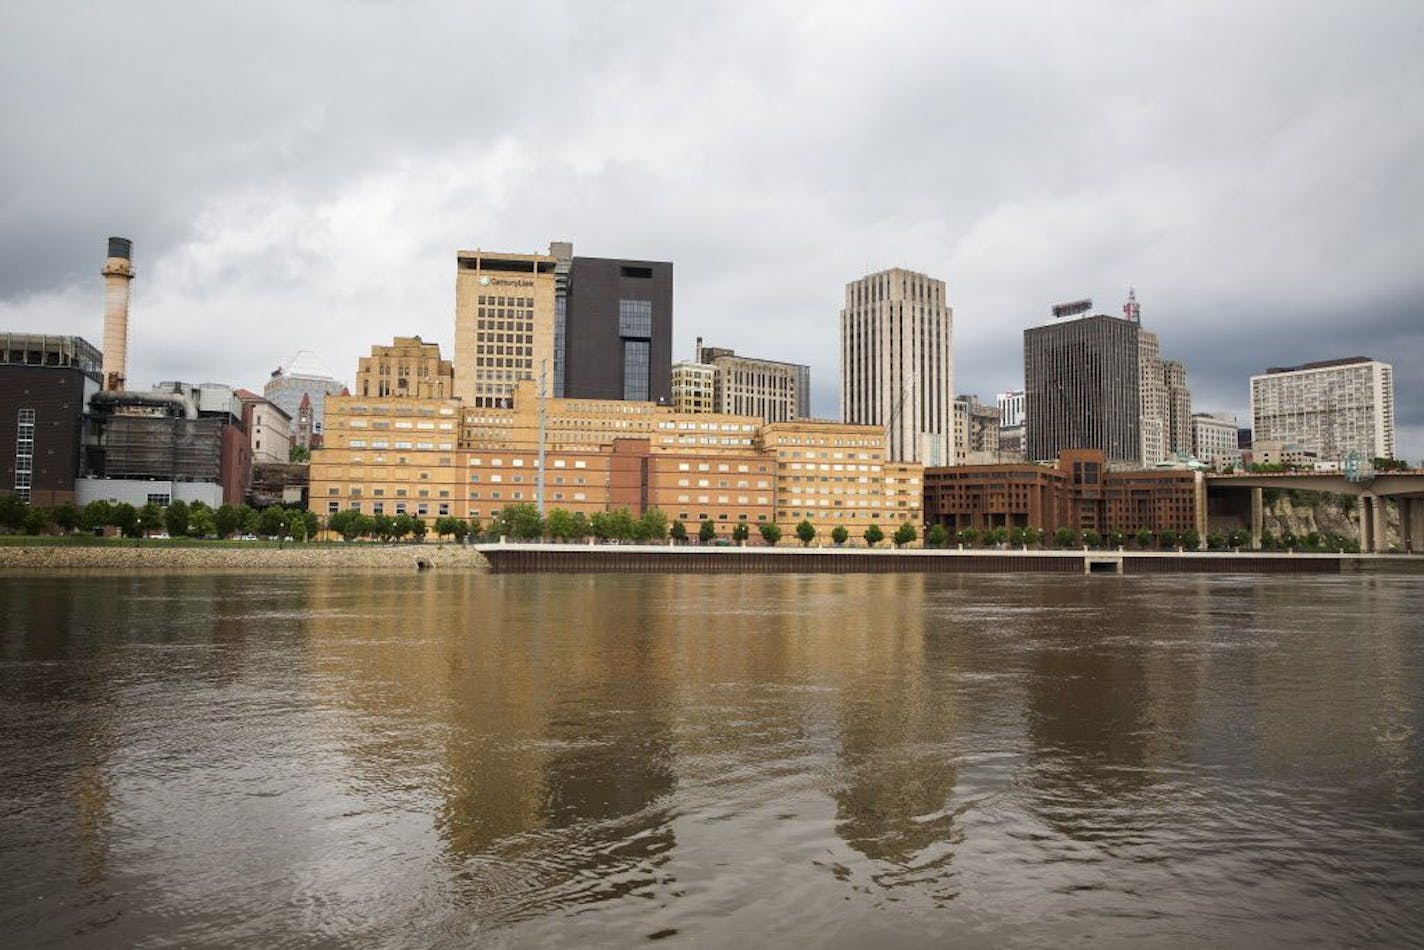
x=1079 y=492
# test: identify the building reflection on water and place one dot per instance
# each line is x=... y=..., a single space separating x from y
x=522 y=747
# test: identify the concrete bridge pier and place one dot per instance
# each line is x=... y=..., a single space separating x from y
x=1411 y=523
x=1258 y=517
x=1372 y=524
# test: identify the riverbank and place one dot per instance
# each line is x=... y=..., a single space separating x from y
x=157 y=555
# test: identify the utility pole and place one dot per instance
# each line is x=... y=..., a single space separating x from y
x=543 y=425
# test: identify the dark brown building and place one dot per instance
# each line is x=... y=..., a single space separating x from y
x=44 y=382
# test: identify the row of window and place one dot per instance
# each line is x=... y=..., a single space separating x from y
x=356 y=491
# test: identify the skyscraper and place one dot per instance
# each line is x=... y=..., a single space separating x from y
x=897 y=363
x=1083 y=382
x=1176 y=408
x=617 y=330
x=504 y=324
x=1331 y=407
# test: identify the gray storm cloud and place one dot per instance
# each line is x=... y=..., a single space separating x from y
x=299 y=175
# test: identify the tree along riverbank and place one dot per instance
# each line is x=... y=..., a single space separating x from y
x=160 y=555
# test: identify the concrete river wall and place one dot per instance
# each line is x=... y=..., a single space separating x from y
x=654 y=559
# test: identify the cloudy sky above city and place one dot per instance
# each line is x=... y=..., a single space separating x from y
x=300 y=175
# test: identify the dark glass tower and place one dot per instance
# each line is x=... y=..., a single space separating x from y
x=1081 y=388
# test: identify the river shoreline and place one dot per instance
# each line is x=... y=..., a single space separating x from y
x=158 y=556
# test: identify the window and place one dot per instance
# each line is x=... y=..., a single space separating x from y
x=635 y=319
x=635 y=370
x=24 y=453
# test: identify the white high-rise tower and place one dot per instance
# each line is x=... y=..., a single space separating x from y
x=897 y=363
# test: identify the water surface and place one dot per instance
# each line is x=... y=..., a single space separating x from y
x=451 y=759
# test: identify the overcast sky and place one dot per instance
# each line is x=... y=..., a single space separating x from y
x=300 y=175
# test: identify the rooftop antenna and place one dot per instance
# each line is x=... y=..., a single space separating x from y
x=1131 y=310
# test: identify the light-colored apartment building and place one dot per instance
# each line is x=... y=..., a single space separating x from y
x=1330 y=408
x=504 y=324
x=1214 y=439
x=897 y=363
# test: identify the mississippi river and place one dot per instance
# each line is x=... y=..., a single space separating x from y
x=459 y=759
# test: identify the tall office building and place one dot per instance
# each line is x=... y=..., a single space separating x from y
x=1152 y=399
x=897 y=363
x=1083 y=383
x=1331 y=407
x=504 y=324
x=617 y=339
x=1176 y=408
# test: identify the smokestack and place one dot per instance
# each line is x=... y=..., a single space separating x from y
x=118 y=271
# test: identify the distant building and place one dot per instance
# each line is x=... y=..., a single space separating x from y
x=1152 y=400
x=504 y=324
x=1079 y=492
x=1214 y=438
x=1011 y=444
x=1330 y=408
x=719 y=380
x=269 y=428
x=303 y=377
x=1176 y=408
x=694 y=387
x=407 y=369
x=618 y=330
x=45 y=383
x=588 y=327
x=1276 y=452
x=897 y=363
x=1083 y=387
x=976 y=430
x=174 y=442
x=1011 y=408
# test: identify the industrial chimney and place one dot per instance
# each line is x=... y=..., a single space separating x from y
x=118 y=271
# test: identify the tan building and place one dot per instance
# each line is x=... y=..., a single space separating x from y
x=407 y=369
x=504 y=324
x=835 y=474
x=428 y=456
x=694 y=387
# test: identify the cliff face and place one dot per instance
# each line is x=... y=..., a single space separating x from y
x=1301 y=512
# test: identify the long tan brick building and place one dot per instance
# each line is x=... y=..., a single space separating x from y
x=416 y=449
